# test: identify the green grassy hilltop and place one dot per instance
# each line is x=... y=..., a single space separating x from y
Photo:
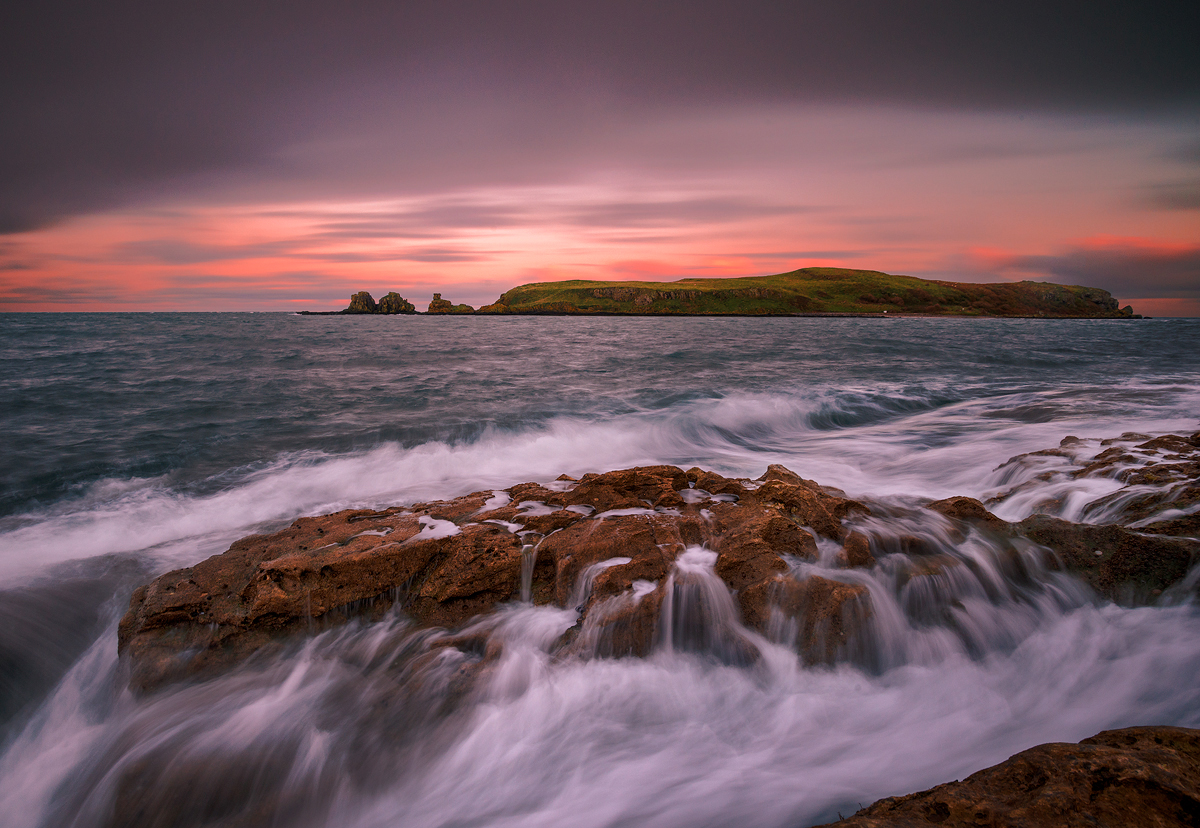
x=812 y=290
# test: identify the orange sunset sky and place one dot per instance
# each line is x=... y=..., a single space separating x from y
x=244 y=163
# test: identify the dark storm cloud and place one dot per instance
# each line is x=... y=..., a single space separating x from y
x=109 y=103
x=1128 y=273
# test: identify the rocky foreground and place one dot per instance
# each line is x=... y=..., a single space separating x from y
x=616 y=547
x=607 y=545
x=1140 y=776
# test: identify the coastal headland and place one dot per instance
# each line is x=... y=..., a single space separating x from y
x=813 y=291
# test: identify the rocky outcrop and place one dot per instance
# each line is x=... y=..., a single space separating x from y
x=611 y=546
x=1145 y=776
x=440 y=305
x=1121 y=564
x=446 y=562
x=395 y=303
x=362 y=302
x=392 y=303
x=1159 y=479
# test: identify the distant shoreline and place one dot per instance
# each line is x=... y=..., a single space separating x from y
x=808 y=292
x=817 y=315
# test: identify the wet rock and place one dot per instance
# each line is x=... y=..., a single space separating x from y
x=807 y=504
x=1146 y=776
x=828 y=614
x=643 y=487
x=445 y=562
x=966 y=509
x=604 y=545
x=590 y=542
x=856 y=552
x=1159 y=477
x=1186 y=526
x=752 y=551
x=1120 y=564
x=206 y=617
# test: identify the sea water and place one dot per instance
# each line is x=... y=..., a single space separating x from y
x=137 y=443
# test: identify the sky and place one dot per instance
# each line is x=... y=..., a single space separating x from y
x=259 y=155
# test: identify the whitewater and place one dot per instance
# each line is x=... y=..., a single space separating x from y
x=139 y=443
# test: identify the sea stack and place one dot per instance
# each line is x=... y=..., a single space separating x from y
x=361 y=302
x=392 y=303
x=440 y=305
x=395 y=303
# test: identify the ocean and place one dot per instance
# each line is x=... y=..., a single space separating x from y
x=134 y=444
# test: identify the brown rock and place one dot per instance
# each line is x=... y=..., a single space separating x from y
x=1143 y=776
x=440 y=305
x=395 y=303
x=644 y=487
x=830 y=614
x=589 y=542
x=1120 y=564
x=361 y=302
x=751 y=552
x=446 y=562
x=620 y=625
x=966 y=509
x=1186 y=526
x=856 y=552
x=805 y=502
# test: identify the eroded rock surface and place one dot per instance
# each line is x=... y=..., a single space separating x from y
x=1144 y=776
x=795 y=562
x=1158 y=480
x=444 y=562
x=1123 y=565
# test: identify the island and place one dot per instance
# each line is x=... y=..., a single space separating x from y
x=810 y=291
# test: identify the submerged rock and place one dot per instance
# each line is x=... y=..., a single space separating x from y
x=1147 y=776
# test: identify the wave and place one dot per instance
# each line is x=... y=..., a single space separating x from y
x=358 y=727
x=909 y=442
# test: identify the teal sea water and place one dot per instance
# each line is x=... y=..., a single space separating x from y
x=137 y=443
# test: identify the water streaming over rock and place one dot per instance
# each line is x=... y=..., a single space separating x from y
x=955 y=650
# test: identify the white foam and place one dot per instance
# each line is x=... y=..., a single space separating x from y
x=432 y=529
x=511 y=527
x=498 y=499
